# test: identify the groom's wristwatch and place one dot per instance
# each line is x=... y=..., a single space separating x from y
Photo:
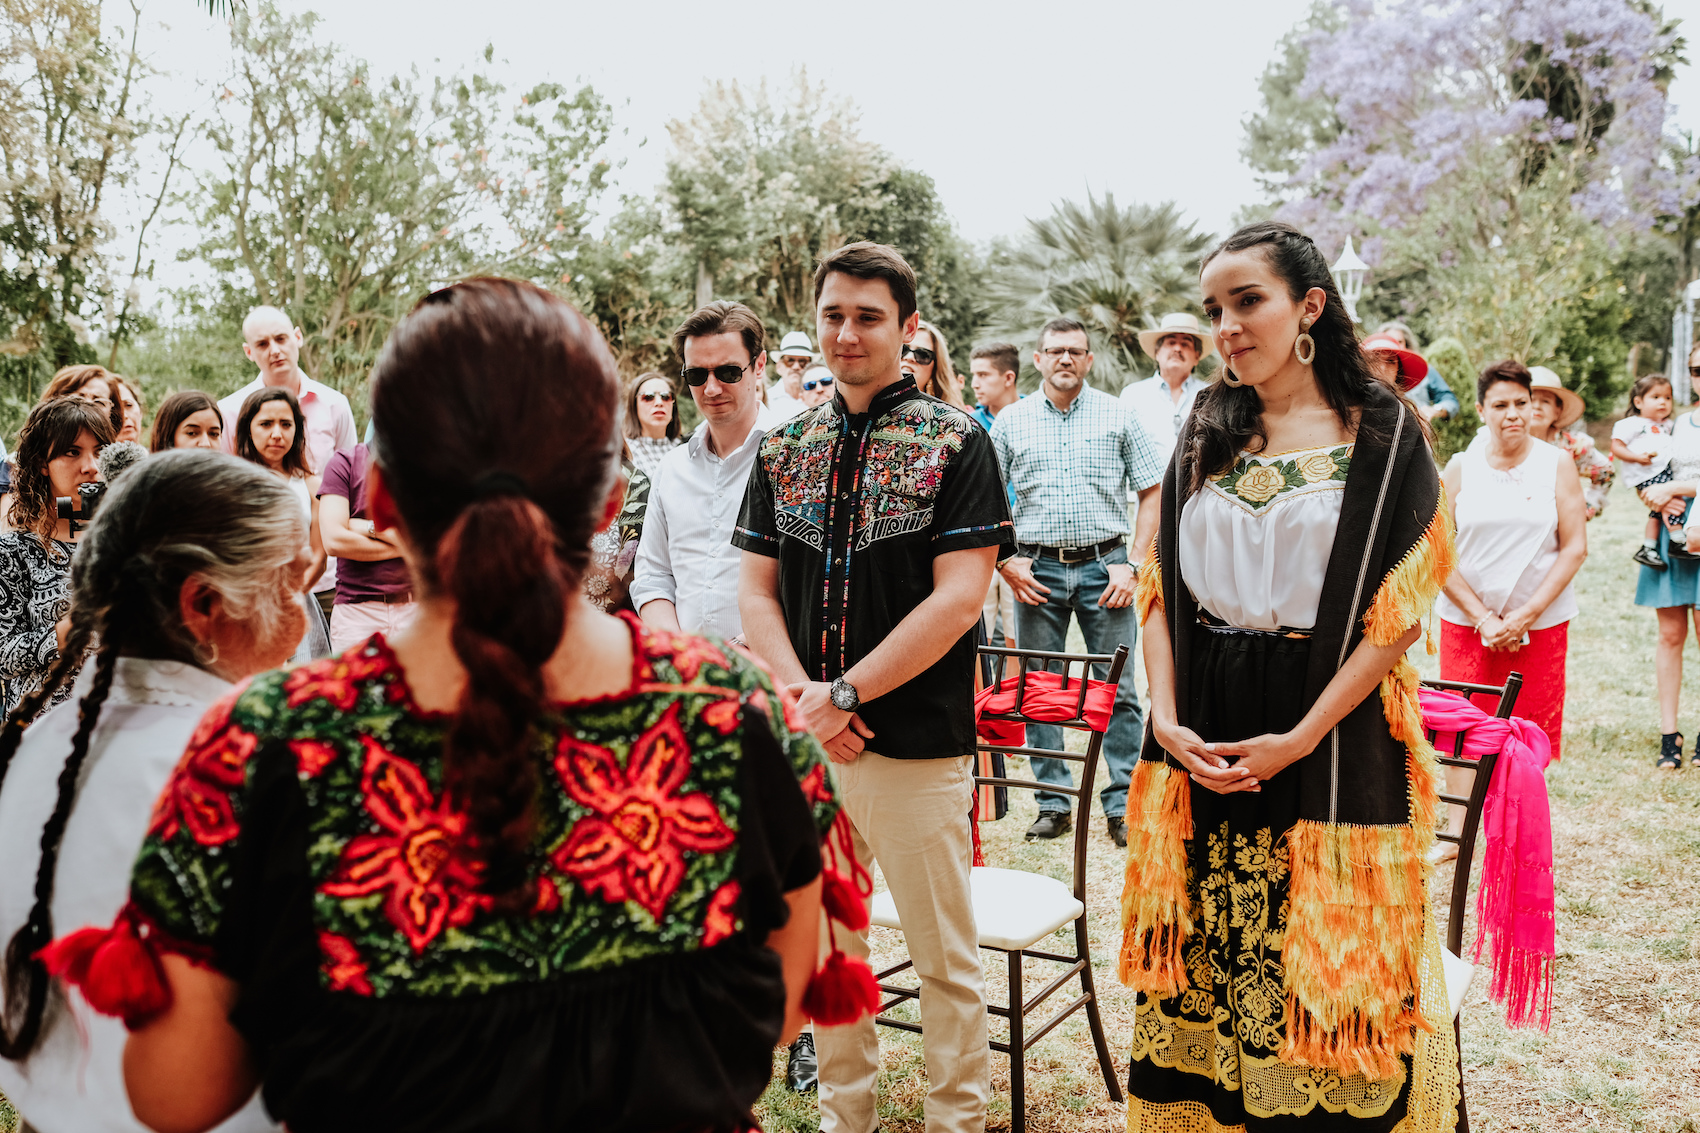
x=843 y=696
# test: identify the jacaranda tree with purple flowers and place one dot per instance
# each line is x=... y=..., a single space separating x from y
x=1494 y=156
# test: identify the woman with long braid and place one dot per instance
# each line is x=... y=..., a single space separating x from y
x=527 y=867
x=183 y=601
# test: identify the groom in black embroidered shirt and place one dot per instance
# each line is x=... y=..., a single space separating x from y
x=870 y=528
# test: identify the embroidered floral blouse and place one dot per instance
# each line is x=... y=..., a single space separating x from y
x=304 y=848
x=35 y=592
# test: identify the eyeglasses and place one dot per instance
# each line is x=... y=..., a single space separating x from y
x=920 y=353
x=817 y=383
x=655 y=397
x=1059 y=351
x=725 y=375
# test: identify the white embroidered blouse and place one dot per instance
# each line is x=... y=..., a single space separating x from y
x=1254 y=541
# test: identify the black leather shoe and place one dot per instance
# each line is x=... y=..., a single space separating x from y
x=1118 y=830
x=802 y=1071
x=1051 y=824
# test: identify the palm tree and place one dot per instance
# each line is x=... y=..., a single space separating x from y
x=1117 y=270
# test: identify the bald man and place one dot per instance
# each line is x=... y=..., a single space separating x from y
x=273 y=343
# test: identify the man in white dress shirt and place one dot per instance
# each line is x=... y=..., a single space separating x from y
x=686 y=576
x=1163 y=401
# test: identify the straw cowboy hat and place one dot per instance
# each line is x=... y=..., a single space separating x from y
x=1570 y=403
x=1413 y=367
x=1179 y=323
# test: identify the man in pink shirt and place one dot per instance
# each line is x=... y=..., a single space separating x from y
x=273 y=343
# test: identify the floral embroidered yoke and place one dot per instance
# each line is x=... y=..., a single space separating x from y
x=306 y=850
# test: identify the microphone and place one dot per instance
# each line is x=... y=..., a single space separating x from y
x=114 y=459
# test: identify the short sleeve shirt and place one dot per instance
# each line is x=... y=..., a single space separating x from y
x=358 y=581
x=855 y=507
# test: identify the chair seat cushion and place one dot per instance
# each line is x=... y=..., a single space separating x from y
x=1012 y=909
x=1459 y=973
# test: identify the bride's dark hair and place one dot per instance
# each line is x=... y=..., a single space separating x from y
x=1228 y=420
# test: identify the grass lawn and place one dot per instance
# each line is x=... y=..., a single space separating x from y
x=1624 y=1049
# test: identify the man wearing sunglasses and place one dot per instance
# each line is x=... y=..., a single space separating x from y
x=817 y=387
x=686 y=573
x=785 y=396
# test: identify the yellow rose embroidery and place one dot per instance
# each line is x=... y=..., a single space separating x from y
x=1317 y=467
x=1260 y=484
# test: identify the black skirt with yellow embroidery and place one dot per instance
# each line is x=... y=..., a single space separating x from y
x=1205 y=1061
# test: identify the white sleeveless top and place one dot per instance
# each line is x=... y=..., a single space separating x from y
x=1508 y=533
x=1254 y=542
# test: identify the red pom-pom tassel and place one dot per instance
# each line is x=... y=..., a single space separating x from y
x=842 y=902
x=841 y=992
x=114 y=968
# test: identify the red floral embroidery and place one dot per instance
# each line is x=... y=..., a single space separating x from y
x=722 y=918
x=815 y=787
x=198 y=793
x=723 y=715
x=312 y=756
x=794 y=718
x=686 y=652
x=343 y=967
x=633 y=847
x=415 y=859
x=336 y=679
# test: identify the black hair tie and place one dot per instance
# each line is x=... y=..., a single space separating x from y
x=493 y=484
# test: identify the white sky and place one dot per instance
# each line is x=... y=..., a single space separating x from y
x=1010 y=107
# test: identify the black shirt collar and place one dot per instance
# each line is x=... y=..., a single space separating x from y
x=894 y=394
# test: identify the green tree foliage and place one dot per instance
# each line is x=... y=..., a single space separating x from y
x=760 y=186
x=344 y=197
x=1292 y=124
x=1117 y=270
x=68 y=130
x=1453 y=434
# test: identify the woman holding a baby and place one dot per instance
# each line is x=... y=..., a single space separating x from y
x=1673 y=588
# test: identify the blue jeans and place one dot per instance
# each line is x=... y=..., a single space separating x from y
x=1075 y=588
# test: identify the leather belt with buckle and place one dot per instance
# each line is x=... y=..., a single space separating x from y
x=1079 y=554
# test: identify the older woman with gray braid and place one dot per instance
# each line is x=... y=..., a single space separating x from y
x=182 y=601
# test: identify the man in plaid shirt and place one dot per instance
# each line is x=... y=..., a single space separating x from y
x=1071 y=453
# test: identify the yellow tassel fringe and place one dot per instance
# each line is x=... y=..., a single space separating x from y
x=1408 y=592
x=1156 y=910
x=1148 y=587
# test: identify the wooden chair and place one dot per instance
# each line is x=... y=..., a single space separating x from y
x=1460 y=971
x=1014 y=910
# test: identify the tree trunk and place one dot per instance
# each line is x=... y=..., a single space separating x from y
x=705 y=283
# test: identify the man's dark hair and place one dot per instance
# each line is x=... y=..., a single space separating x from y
x=866 y=260
x=1062 y=324
x=1005 y=356
x=721 y=317
x=1509 y=370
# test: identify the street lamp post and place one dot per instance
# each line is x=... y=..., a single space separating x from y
x=1349 y=278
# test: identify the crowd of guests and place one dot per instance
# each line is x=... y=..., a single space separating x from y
x=533 y=743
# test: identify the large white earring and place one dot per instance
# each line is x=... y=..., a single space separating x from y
x=1228 y=377
x=1304 y=346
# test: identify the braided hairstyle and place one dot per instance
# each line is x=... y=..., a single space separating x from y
x=495 y=410
x=1227 y=420
x=241 y=536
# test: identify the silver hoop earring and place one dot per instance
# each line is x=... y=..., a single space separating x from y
x=1228 y=378
x=1304 y=349
x=202 y=650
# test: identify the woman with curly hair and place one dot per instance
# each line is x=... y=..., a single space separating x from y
x=177 y=603
x=56 y=454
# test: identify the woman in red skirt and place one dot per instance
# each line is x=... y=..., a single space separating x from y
x=1519 y=512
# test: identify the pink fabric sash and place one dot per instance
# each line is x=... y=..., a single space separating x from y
x=1514 y=904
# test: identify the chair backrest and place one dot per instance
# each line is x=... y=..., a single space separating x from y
x=1482 y=770
x=1074 y=667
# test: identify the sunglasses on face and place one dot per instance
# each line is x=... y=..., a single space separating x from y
x=1694 y=371
x=817 y=383
x=725 y=375
x=920 y=353
x=655 y=397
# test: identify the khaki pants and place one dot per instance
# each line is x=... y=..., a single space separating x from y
x=911 y=816
x=353 y=622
